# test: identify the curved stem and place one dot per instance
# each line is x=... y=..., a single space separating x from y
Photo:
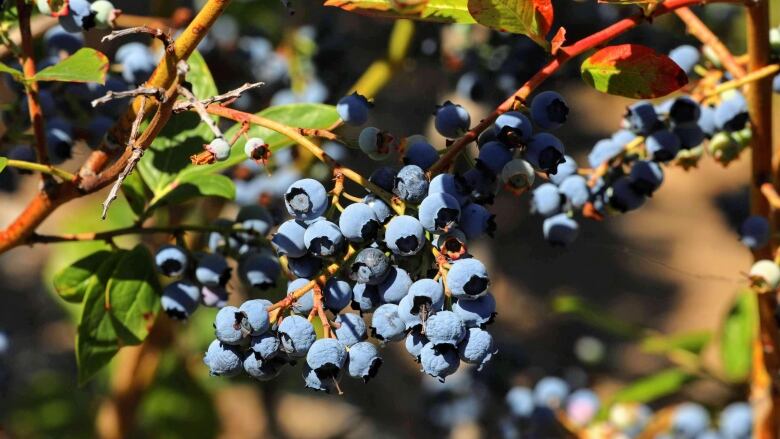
x=45 y=169
x=698 y=29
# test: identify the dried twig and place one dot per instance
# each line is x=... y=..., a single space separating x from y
x=154 y=32
x=225 y=97
x=201 y=110
x=131 y=162
x=157 y=92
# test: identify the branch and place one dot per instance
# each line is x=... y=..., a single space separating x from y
x=759 y=74
x=158 y=93
x=698 y=29
x=133 y=230
x=223 y=98
x=161 y=35
x=201 y=110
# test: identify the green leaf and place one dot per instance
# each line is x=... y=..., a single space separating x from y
x=593 y=316
x=71 y=283
x=134 y=294
x=693 y=341
x=528 y=17
x=442 y=11
x=16 y=74
x=654 y=386
x=3 y=163
x=188 y=186
x=183 y=136
x=736 y=338
x=86 y=65
x=96 y=339
x=633 y=71
x=135 y=193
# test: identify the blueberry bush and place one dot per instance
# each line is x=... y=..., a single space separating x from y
x=242 y=209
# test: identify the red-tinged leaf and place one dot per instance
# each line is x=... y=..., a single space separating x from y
x=528 y=17
x=633 y=71
x=558 y=40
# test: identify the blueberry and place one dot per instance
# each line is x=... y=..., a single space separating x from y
x=415 y=341
x=477 y=347
x=623 y=196
x=364 y=361
x=171 y=260
x=736 y=421
x=467 y=279
x=646 y=177
x=690 y=135
x=213 y=270
x=104 y=13
x=776 y=83
x=545 y=152
x=641 y=118
x=59 y=144
x=306 y=266
x=482 y=185
x=490 y=134
x=256 y=219
x=519 y=175
x=689 y=420
x=445 y=327
x=439 y=362
x=262 y=369
x=353 y=109
x=427 y=292
x=411 y=315
x=476 y=220
x=323 y=238
x=603 y=151
x=180 y=299
x=493 y=156
x=514 y=128
x=395 y=286
x=421 y=154
x=623 y=137
x=296 y=335
x=222 y=359
x=265 y=346
x=410 y=184
x=662 y=145
x=520 y=401
x=380 y=208
x=303 y=304
x=755 y=232
x=732 y=113
x=384 y=177
x=550 y=392
x=452 y=120
x=97 y=129
x=350 y=329
x=260 y=271
x=138 y=66
x=375 y=143
x=79 y=17
x=684 y=110
x=582 y=406
x=439 y=212
x=289 y=239
x=256 y=313
x=215 y=297
x=451 y=185
x=476 y=313
x=365 y=297
x=57 y=40
x=327 y=357
x=549 y=110
x=306 y=199
x=560 y=229
x=685 y=56
x=575 y=189
x=313 y=381
x=707 y=120
x=546 y=200
x=370 y=266
x=405 y=235
x=230 y=325
x=386 y=325
x=337 y=294
x=358 y=223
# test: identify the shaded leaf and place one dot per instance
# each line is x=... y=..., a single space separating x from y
x=134 y=294
x=135 y=192
x=632 y=71
x=86 y=65
x=693 y=341
x=188 y=186
x=528 y=17
x=653 y=386
x=16 y=74
x=71 y=283
x=443 y=11
x=736 y=338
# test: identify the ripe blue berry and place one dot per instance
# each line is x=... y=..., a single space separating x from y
x=256 y=313
x=754 y=232
x=476 y=220
x=415 y=341
x=623 y=196
x=230 y=325
x=684 y=110
x=405 y=235
x=384 y=177
x=265 y=345
x=546 y=200
x=262 y=369
x=427 y=292
x=260 y=271
x=57 y=39
x=323 y=238
x=411 y=317
x=289 y=239
x=445 y=327
x=306 y=266
x=302 y=304
x=319 y=383
x=689 y=420
x=662 y=145
x=180 y=299
x=452 y=120
x=353 y=109
x=386 y=325
x=364 y=361
x=550 y=392
x=476 y=313
x=641 y=118
x=736 y=421
x=685 y=56
x=690 y=135
x=296 y=335
x=439 y=362
x=467 y=279
x=222 y=359
x=603 y=151
x=365 y=297
x=545 y=152
x=439 y=212
x=646 y=177
x=493 y=156
x=422 y=154
x=306 y=199
x=256 y=219
x=477 y=347
x=326 y=357
x=213 y=270
x=582 y=406
x=370 y=266
x=520 y=401
x=375 y=143
x=732 y=113
x=171 y=260
x=380 y=208
x=79 y=17
x=337 y=294
x=451 y=185
x=410 y=184
x=575 y=189
x=549 y=110
x=707 y=120
x=358 y=223
x=350 y=329
x=214 y=297
x=482 y=185
x=395 y=286
x=560 y=229
x=514 y=128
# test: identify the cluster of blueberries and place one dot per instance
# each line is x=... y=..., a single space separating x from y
x=533 y=412
x=69 y=116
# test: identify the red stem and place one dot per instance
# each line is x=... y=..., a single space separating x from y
x=28 y=67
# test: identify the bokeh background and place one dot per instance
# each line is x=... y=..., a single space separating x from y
x=674 y=265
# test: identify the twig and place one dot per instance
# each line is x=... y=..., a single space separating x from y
x=225 y=97
x=134 y=230
x=698 y=29
x=769 y=191
x=156 y=92
x=205 y=117
x=134 y=157
x=46 y=169
x=761 y=73
x=161 y=35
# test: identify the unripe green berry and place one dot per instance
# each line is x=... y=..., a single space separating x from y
x=766 y=273
x=105 y=14
x=220 y=148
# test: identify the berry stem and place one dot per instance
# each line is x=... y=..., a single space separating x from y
x=698 y=29
x=381 y=71
x=754 y=76
x=46 y=169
